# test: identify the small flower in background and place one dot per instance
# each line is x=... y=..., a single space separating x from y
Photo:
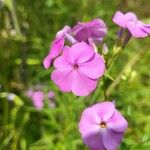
x=94 y=31
x=102 y=126
x=78 y=69
x=11 y=96
x=51 y=96
x=130 y=21
x=29 y=93
x=38 y=97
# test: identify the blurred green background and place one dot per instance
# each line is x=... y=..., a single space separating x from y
x=27 y=27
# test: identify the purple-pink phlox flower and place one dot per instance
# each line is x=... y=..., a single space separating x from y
x=78 y=69
x=131 y=22
x=51 y=95
x=56 y=47
x=95 y=29
x=89 y=32
x=29 y=93
x=102 y=126
x=38 y=99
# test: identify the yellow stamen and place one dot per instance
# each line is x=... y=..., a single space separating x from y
x=103 y=124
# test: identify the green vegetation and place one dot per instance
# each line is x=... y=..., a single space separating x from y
x=27 y=27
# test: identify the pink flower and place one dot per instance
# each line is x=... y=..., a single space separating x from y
x=29 y=93
x=51 y=95
x=131 y=22
x=95 y=29
x=102 y=126
x=78 y=69
x=89 y=32
x=56 y=47
x=37 y=99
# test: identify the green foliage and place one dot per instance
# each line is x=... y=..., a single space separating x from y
x=27 y=28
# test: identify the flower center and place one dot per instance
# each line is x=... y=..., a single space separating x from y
x=75 y=66
x=103 y=124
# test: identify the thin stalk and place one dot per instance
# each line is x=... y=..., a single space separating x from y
x=104 y=88
x=14 y=17
x=113 y=58
x=130 y=63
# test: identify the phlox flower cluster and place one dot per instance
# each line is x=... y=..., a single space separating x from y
x=38 y=97
x=78 y=67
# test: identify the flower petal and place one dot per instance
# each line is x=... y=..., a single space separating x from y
x=130 y=17
x=56 y=48
x=67 y=55
x=61 y=34
x=117 y=122
x=111 y=139
x=62 y=78
x=105 y=110
x=135 y=29
x=82 y=85
x=55 y=51
x=94 y=68
x=146 y=28
x=89 y=122
x=119 y=19
x=81 y=52
x=62 y=63
x=47 y=62
x=95 y=29
x=37 y=98
x=94 y=141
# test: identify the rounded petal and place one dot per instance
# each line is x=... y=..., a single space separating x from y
x=81 y=52
x=55 y=51
x=62 y=78
x=67 y=55
x=97 y=23
x=130 y=16
x=105 y=110
x=94 y=141
x=111 y=139
x=119 y=19
x=117 y=122
x=94 y=68
x=56 y=48
x=82 y=85
x=99 y=29
x=37 y=98
x=136 y=29
x=89 y=122
x=47 y=62
x=62 y=63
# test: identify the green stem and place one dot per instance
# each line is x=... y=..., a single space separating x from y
x=104 y=88
x=130 y=63
x=114 y=57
